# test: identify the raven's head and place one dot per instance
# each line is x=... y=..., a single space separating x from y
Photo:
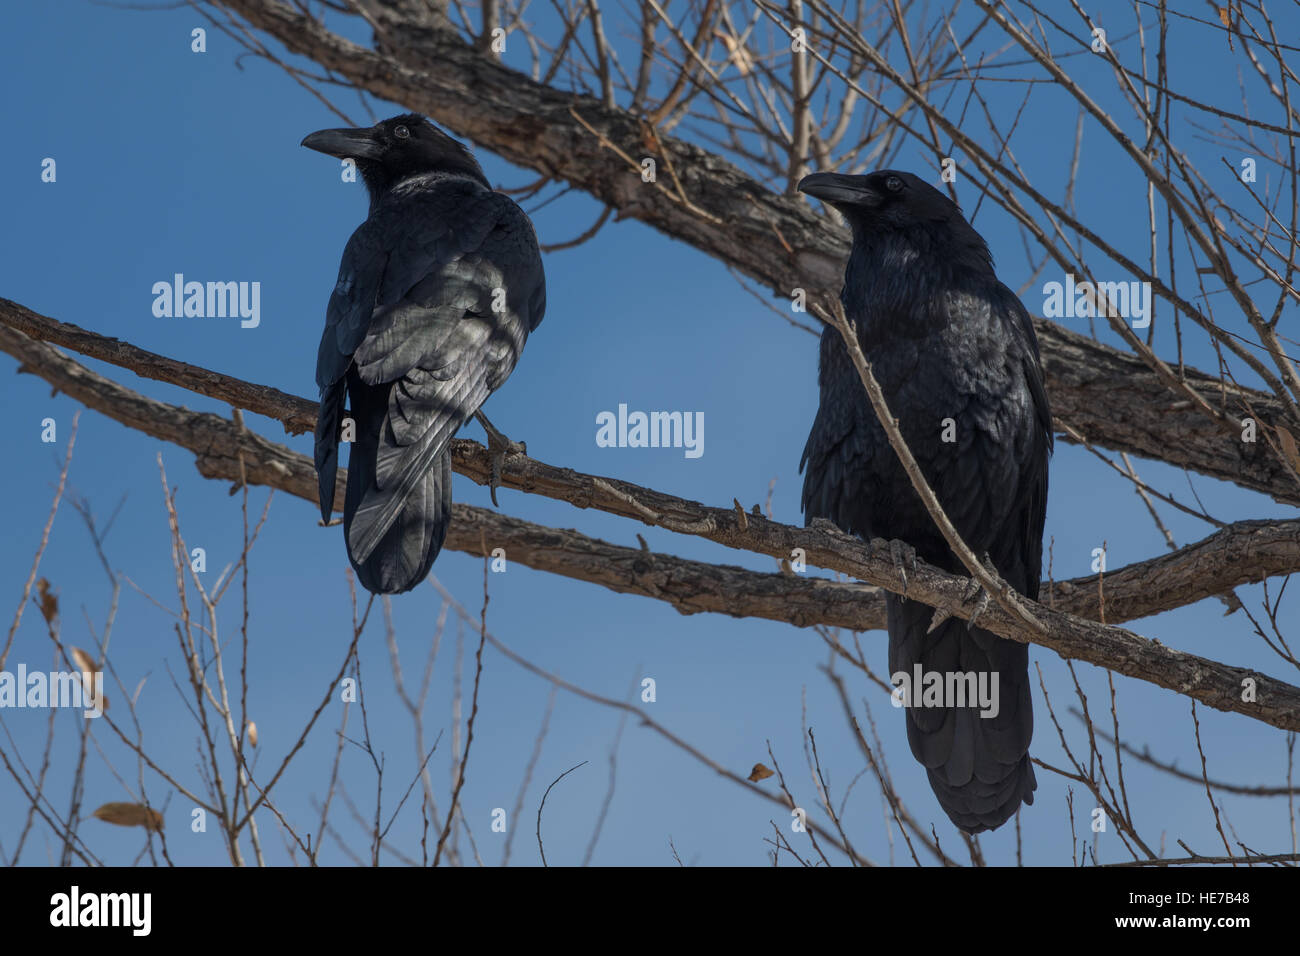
x=390 y=151
x=891 y=200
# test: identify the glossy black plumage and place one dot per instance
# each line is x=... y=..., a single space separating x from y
x=947 y=341
x=436 y=295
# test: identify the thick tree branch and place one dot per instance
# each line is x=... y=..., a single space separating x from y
x=222 y=445
x=1242 y=553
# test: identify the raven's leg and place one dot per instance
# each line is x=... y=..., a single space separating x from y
x=499 y=446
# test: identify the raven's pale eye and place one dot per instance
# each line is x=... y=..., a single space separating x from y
x=401 y=132
x=893 y=184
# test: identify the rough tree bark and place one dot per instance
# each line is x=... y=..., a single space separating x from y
x=222 y=446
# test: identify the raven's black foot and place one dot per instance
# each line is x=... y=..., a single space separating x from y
x=499 y=446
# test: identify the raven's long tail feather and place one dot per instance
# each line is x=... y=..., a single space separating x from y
x=404 y=554
x=979 y=766
x=330 y=414
x=407 y=550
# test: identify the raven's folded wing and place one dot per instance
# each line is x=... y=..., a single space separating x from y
x=434 y=302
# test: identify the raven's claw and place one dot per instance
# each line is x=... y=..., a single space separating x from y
x=980 y=609
x=499 y=446
x=904 y=557
x=976 y=589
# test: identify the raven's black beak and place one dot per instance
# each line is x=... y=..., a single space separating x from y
x=345 y=143
x=837 y=189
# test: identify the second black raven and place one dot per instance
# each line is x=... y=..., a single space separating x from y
x=957 y=359
x=436 y=295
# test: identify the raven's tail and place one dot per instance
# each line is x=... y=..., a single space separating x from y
x=407 y=550
x=401 y=557
x=977 y=755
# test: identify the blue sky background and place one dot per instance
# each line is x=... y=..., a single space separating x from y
x=171 y=161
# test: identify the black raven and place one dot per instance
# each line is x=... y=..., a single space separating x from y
x=436 y=295
x=956 y=356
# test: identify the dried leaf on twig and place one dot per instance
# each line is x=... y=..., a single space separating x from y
x=130 y=815
x=48 y=601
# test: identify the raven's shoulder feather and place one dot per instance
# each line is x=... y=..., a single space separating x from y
x=422 y=229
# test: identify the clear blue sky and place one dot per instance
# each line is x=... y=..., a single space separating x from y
x=170 y=161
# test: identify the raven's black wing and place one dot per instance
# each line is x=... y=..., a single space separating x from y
x=1033 y=473
x=437 y=293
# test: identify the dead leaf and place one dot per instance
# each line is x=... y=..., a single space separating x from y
x=759 y=773
x=1225 y=17
x=737 y=52
x=83 y=661
x=130 y=815
x=87 y=668
x=1289 y=449
x=648 y=139
x=49 y=601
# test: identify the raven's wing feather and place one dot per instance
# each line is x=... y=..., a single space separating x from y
x=365 y=282
x=1033 y=474
x=328 y=418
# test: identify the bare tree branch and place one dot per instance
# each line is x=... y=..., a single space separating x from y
x=223 y=447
